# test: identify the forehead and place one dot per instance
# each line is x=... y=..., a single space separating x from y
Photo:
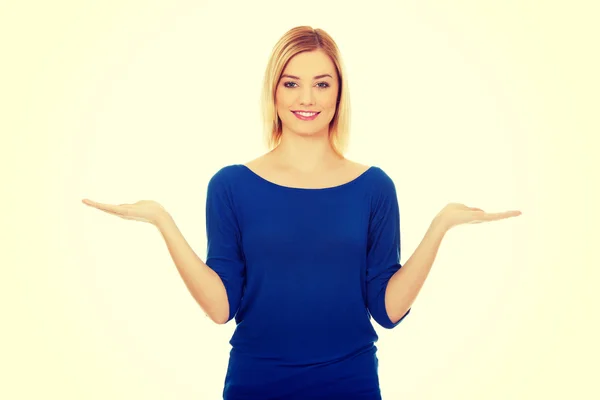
x=309 y=64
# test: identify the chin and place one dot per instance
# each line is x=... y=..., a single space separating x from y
x=303 y=128
x=308 y=132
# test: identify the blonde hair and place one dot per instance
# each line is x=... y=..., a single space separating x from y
x=297 y=40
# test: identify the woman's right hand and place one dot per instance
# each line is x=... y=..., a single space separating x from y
x=144 y=210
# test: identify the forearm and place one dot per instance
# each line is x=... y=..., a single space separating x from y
x=406 y=283
x=203 y=283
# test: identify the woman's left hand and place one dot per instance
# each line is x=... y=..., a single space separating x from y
x=456 y=214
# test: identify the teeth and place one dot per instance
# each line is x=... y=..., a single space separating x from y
x=306 y=114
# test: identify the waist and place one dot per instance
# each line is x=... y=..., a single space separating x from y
x=302 y=357
x=354 y=373
x=299 y=341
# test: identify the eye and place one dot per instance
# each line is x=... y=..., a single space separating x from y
x=320 y=85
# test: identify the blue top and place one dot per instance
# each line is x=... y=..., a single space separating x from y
x=305 y=270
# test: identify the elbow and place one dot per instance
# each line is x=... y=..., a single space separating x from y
x=385 y=319
x=221 y=310
x=387 y=323
x=394 y=321
x=217 y=312
x=217 y=319
x=223 y=318
x=221 y=305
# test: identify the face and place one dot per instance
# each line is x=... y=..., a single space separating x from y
x=308 y=83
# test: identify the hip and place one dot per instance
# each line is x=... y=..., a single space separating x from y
x=353 y=377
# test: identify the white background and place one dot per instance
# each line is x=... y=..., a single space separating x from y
x=492 y=104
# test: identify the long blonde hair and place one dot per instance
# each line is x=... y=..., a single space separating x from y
x=294 y=41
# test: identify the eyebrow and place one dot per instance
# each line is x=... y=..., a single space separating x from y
x=316 y=77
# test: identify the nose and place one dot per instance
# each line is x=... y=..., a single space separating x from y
x=307 y=96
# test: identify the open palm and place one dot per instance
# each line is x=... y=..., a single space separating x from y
x=456 y=214
x=144 y=210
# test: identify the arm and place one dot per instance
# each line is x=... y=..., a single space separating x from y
x=206 y=286
x=216 y=285
x=406 y=283
x=225 y=255
x=383 y=250
x=203 y=283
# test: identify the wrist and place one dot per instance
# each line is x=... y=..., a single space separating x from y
x=439 y=225
x=162 y=219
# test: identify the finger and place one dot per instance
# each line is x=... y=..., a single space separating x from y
x=477 y=216
x=118 y=209
x=112 y=213
x=508 y=214
x=501 y=215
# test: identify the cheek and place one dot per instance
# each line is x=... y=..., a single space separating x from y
x=282 y=99
x=286 y=99
x=330 y=100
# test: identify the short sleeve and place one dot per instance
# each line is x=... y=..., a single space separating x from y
x=383 y=249
x=224 y=251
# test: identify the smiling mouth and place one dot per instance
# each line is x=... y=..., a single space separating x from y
x=306 y=115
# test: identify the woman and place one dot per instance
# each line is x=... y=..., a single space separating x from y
x=303 y=244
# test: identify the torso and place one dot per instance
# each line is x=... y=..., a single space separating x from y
x=338 y=173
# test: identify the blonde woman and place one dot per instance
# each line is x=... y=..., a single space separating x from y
x=303 y=244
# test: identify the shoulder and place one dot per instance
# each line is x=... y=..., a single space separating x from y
x=381 y=185
x=225 y=179
x=226 y=173
x=377 y=176
x=381 y=176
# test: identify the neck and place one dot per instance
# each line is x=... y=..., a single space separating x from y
x=305 y=153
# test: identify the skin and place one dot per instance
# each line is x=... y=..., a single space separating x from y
x=304 y=159
x=304 y=143
x=305 y=153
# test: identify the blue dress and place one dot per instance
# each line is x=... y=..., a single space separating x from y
x=305 y=270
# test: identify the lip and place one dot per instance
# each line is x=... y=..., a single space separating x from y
x=300 y=117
